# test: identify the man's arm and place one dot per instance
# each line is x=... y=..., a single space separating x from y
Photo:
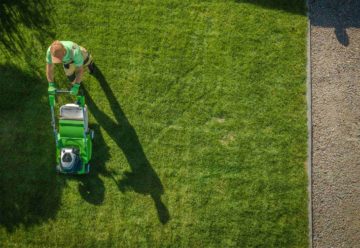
x=79 y=73
x=50 y=78
x=50 y=72
x=76 y=84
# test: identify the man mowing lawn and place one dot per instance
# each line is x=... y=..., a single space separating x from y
x=74 y=59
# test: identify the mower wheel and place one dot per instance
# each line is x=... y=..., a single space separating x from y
x=87 y=169
x=92 y=134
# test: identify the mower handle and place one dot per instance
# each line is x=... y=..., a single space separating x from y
x=80 y=97
x=62 y=91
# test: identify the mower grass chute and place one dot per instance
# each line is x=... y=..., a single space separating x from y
x=74 y=138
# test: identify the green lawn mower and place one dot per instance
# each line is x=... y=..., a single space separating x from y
x=74 y=138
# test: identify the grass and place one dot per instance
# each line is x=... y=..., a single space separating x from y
x=199 y=111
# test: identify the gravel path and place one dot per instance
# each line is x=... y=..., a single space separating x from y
x=335 y=70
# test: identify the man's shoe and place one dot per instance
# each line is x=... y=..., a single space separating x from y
x=91 y=67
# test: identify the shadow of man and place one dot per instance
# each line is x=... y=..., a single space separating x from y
x=142 y=178
x=91 y=187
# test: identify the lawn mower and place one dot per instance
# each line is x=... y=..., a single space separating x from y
x=74 y=138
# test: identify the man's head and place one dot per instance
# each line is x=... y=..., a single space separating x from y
x=57 y=51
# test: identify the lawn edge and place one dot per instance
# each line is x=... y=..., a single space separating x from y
x=309 y=124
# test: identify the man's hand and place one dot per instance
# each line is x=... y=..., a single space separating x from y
x=52 y=88
x=75 y=89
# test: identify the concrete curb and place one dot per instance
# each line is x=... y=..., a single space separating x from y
x=309 y=126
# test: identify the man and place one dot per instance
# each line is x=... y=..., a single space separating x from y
x=73 y=57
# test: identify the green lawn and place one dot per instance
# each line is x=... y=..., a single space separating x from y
x=199 y=111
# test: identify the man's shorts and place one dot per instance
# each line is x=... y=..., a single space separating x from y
x=70 y=68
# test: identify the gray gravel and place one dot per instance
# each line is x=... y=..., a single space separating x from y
x=335 y=68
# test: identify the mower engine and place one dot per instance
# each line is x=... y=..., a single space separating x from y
x=70 y=160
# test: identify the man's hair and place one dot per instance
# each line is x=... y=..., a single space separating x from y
x=56 y=49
